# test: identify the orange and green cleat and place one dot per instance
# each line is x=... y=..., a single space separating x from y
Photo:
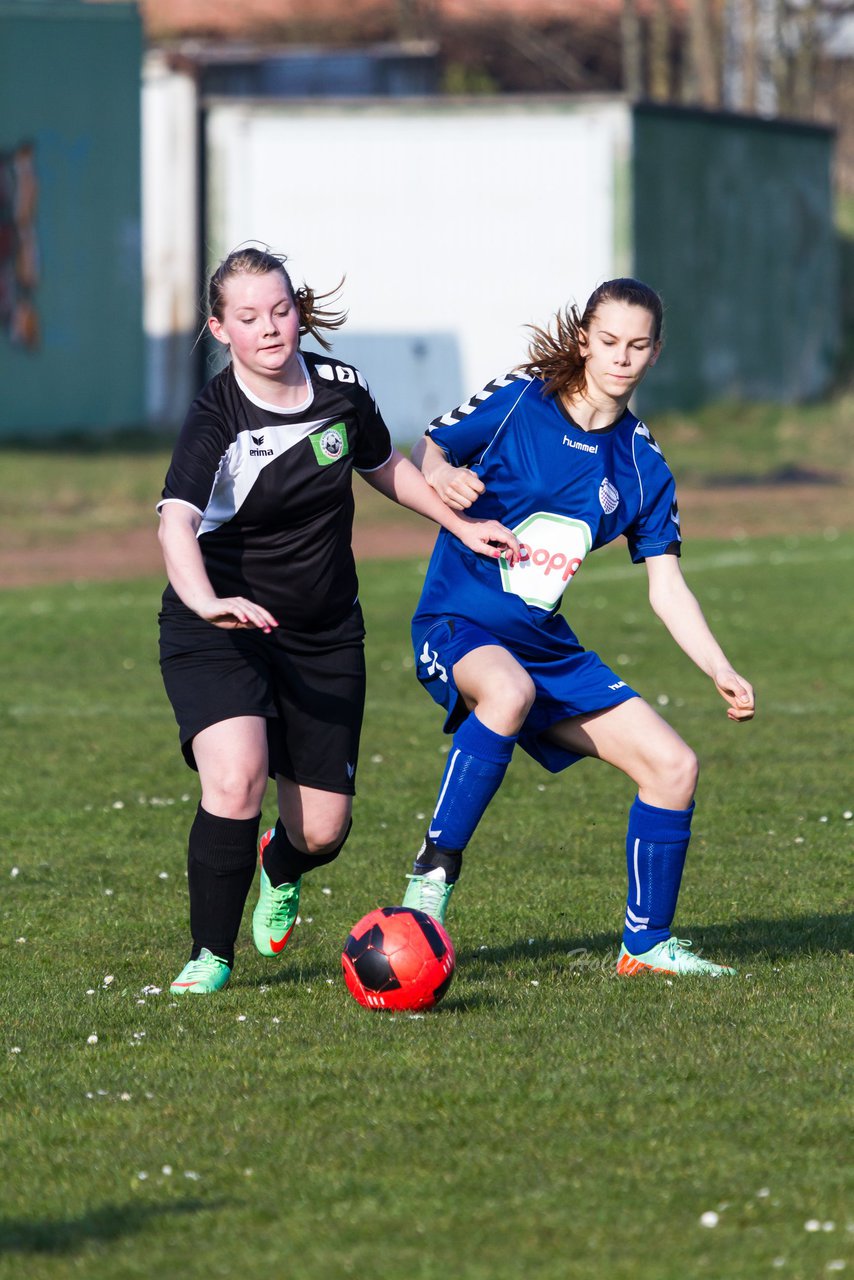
x=275 y=914
x=670 y=956
x=203 y=976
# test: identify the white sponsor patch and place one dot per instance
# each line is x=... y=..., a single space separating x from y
x=553 y=550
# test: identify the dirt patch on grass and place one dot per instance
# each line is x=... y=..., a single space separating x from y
x=722 y=512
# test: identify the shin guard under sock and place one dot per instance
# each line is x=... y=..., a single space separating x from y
x=284 y=863
x=656 y=845
x=220 y=867
x=474 y=771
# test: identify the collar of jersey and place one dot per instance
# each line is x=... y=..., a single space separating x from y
x=601 y=431
x=277 y=408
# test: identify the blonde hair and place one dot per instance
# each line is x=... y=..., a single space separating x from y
x=554 y=353
x=260 y=262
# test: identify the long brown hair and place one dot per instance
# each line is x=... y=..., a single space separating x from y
x=260 y=262
x=554 y=353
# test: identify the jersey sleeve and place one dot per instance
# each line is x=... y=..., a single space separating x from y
x=373 y=445
x=655 y=531
x=203 y=440
x=465 y=433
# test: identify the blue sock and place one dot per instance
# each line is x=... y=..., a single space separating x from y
x=656 y=845
x=476 y=765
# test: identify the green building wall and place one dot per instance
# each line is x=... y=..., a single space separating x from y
x=733 y=224
x=71 y=340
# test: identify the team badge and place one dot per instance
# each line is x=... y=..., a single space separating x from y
x=330 y=444
x=609 y=497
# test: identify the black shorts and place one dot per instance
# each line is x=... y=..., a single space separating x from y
x=310 y=688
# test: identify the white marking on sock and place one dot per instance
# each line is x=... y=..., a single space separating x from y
x=451 y=764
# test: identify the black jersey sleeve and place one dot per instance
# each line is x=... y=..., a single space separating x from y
x=374 y=445
x=203 y=441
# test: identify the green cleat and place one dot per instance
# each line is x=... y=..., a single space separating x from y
x=275 y=915
x=201 y=977
x=429 y=893
x=670 y=956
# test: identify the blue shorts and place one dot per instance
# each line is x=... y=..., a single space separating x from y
x=569 y=679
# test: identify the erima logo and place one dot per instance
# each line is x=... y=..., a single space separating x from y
x=580 y=444
x=621 y=684
x=259 y=453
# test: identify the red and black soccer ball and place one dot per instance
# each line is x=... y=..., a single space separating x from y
x=396 y=958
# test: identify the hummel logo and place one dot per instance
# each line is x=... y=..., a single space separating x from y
x=578 y=444
x=431 y=660
x=351 y=769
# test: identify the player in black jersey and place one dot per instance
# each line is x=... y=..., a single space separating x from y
x=261 y=633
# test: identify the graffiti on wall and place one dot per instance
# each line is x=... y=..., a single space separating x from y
x=19 y=262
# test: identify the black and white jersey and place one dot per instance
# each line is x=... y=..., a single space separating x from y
x=274 y=490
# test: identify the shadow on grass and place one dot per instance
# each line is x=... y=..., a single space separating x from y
x=817 y=934
x=109 y=1223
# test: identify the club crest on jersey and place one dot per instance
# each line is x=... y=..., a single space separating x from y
x=609 y=496
x=552 y=551
x=330 y=444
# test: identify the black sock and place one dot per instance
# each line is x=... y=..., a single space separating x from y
x=284 y=863
x=429 y=858
x=220 y=868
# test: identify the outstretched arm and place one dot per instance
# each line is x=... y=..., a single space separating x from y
x=675 y=604
x=399 y=480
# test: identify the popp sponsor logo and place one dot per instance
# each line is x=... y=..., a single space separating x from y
x=549 y=561
x=553 y=548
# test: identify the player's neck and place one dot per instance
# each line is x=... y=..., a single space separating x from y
x=287 y=388
x=594 y=412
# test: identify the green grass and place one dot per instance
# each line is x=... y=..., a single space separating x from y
x=547 y=1120
x=748 y=444
x=54 y=495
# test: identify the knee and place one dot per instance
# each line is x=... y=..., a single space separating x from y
x=508 y=703
x=321 y=838
x=236 y=794
x=681 y=771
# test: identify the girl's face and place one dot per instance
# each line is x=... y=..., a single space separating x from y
x=260 y=323
x=618 y=348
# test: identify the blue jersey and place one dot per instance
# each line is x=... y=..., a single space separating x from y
x=563 y=491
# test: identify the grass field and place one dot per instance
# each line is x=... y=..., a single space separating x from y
x=548 y=1120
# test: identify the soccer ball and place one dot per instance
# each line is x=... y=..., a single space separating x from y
x=396 y=958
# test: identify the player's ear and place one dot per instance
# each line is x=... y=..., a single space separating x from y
x=218 y=330
x=656 y=352
x=583 y=343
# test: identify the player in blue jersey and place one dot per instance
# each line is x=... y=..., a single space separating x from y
x=553 y=452
x=261 y=632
